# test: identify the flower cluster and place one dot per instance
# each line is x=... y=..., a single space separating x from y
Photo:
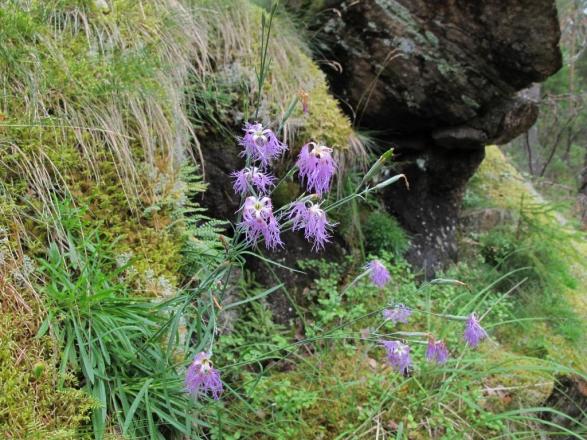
x=436 y=351
x=261 y=144
x=201 y=377
x=316 y=168
x=398 y=354
x=252 y=177
x=474 y=333
x=258 y=220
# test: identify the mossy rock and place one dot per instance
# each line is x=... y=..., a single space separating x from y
x=33 y=404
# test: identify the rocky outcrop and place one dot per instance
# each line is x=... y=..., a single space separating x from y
x=439 y=79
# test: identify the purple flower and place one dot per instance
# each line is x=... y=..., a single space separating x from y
x=316 y=167
x=399 y=313
x=202 y=377
x=436 y=351
x=251 y=176
x=398 y=355
x=379 y=274
x=312 y=219
x=258 y=220
x=261 y=144
x=474 y=333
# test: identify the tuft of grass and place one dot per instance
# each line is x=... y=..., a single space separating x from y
x=113 y=339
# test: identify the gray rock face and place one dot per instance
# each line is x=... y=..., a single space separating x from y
x=414 y=65
x=439 y=79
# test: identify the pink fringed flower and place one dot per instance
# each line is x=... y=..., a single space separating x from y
x=297 y=215
x=316 y=167
x=398 y=355
x=474 y=333
x=436 y=351
x=258 y=220
x=312 y=219
x=261 y=144
x=201 y=377
x=399 y=313
x=252 y=177
x=379 y=274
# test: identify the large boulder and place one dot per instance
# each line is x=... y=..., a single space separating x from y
x=439 y=79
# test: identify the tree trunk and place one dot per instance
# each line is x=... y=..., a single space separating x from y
x=531 y=139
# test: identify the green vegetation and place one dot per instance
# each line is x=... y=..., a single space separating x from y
x=333 y=382
x=383 y=233
x=550 y=256
x=112 y=276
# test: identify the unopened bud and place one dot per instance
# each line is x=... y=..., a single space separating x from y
x=392 y=180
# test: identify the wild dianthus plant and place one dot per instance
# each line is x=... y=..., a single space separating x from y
x=260 y=224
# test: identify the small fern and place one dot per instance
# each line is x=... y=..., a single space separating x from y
x=202 y=245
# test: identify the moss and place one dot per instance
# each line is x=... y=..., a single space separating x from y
x=328 y=396
x=91 y=114
x=384 y=233
x=326 y=122
x=36 y=400
x=154 y=245
x=29 y=393
x=521 y=382
x=60 y=143
x=342 y=392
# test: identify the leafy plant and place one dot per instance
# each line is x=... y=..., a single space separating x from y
x=384 y=233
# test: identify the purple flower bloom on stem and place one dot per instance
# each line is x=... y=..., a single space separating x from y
x=316 y=167
x=379 y=274
x=261 y=143
x=258 y=220
x=474 y=333
x=202 y=377
x=436 y=351
x=398 y=355
x=312 y=219
x=252 y=176
x=399 y=313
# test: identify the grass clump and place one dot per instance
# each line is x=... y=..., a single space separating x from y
x=112 y=338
